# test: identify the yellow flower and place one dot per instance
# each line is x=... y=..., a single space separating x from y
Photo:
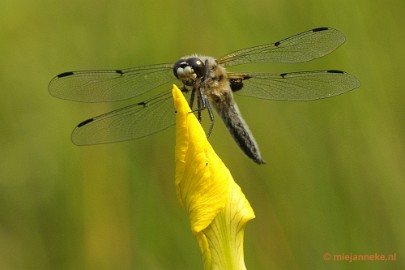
x=217 y=208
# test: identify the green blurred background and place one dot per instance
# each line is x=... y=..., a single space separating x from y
x=334 y=181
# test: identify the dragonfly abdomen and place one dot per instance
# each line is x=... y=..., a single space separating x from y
x=238 y=128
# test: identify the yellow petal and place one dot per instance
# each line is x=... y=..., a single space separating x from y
x=202 y=194
x=217 y=208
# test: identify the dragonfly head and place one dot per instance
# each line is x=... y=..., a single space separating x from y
x=188 y=70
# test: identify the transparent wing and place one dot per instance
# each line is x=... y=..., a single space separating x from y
x=298 y=48
x=306 y=85
x=131 y=122
x=109 y=85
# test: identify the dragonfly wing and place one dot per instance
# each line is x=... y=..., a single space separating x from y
x=109 y=85
x=298 y=48
x=131 y=122
x=306 y=85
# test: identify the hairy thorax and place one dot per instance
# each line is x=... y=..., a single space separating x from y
x=216 y=84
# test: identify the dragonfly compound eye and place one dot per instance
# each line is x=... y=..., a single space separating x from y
x=187 y=70
x=197 y=65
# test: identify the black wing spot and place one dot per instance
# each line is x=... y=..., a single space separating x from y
x=65 y=74
x=119 y=71
x=283 y=75
x=237 y=84
x=320 y=29
x=143 y=103
x=335 y=71
x=277 y=43
x=85 y=122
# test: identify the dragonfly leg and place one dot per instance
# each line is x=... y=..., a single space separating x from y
x=205 y=104
x=209 y=109
x=200 y=107
x=191 y=101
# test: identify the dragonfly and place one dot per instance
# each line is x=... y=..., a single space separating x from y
x=208 y=84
